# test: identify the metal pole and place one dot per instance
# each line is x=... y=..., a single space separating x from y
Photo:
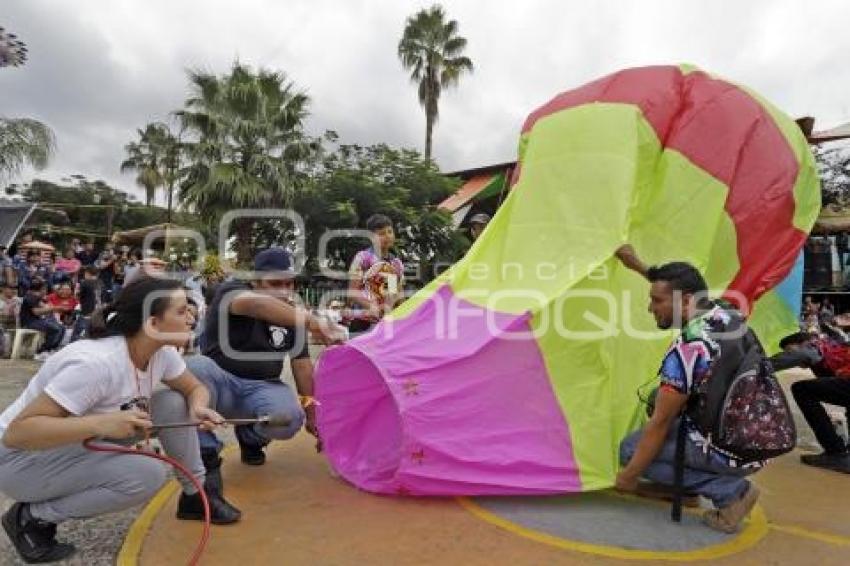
x=110 y=211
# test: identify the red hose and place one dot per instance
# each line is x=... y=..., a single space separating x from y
x=202 y=543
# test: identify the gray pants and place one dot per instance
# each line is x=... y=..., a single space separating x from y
x=71 y=482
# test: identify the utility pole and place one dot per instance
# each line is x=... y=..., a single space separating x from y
x=110 y=211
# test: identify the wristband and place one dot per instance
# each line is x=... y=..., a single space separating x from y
x=307 y=401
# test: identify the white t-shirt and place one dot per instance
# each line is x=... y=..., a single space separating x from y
x=95 y=376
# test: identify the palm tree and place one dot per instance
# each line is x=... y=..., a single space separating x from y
x=247 y=147
x=432 y=50
x=153 y=158
x=24 y=141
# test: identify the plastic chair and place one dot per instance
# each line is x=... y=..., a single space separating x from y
x=26 y=341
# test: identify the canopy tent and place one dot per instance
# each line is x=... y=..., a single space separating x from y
x=38 y=246
x=516 y=371
x=12 y=217
x=137 y=236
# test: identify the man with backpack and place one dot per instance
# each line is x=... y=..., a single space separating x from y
x=677 y=299
x=829 y=359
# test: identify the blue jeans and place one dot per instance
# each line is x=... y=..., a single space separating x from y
x=53 y=332
x=704 y=474
x=235 y=397
x=81 y=327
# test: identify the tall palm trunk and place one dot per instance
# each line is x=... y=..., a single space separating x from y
x=244 y=227
x=429 y=130
x=170 y=200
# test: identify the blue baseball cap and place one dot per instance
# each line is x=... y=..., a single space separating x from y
x=274 y=259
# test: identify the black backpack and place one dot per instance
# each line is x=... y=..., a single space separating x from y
x=740 y=408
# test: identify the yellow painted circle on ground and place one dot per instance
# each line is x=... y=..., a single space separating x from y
x=756 y=527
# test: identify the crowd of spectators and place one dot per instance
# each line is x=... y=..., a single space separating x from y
x=55 y=293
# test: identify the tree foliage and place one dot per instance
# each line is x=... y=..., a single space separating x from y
x=154 y=157
x=834 y=170
x=353 y=182
x=246 y=144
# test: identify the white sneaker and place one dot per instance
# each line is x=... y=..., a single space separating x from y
x=42 y=357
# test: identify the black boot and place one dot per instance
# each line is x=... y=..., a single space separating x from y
x=251 y=452
x=252 y=455
x=212 y=463
x=34 y=540
x=191 y=507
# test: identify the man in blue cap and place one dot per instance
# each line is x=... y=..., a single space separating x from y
x=250 y=329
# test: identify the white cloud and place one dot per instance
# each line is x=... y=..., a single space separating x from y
x=99 y=70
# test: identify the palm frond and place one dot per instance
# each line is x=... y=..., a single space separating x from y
x=24 y=141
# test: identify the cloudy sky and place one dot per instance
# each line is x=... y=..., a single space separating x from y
x=100 y=69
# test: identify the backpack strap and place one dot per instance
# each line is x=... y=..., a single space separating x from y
x=679 y=470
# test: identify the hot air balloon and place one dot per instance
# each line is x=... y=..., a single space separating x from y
x=518 y=370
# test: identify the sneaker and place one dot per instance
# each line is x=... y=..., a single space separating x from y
x=191 y=508
x=728 y=519
x=837 y=462
x=34 y=540
x=41 y=357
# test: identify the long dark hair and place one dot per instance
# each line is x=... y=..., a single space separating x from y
x=126 y=315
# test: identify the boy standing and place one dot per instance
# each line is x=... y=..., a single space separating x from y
x=376 y=275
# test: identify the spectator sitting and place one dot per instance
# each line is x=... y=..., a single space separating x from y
x=68 y=265
x=63 y=297
x=477 y=224
x=118 y=267
x=87 y=256
x=89 y=295
x=827 y=312
x=35 y=315
x=106 y=264
x=10 y=307
x=150 y=267
x=32 y=269
x=133 y=265
x=51 y=276
x=829 y=360
x=8 y=274
x=18 y=252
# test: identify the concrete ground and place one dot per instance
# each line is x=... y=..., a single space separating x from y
x=296 y=510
